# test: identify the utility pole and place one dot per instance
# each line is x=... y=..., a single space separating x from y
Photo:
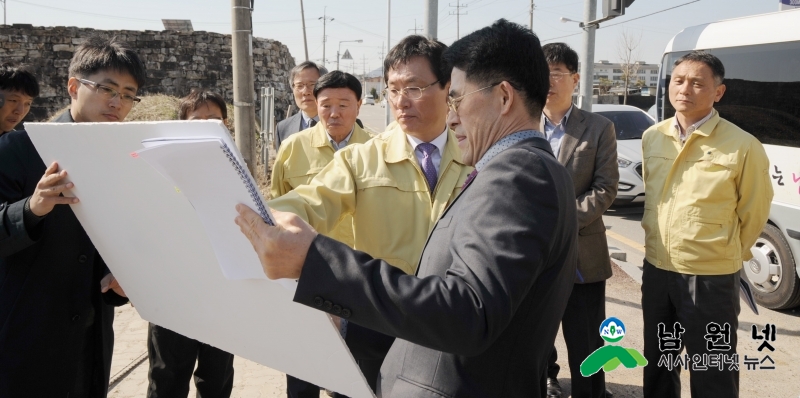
x=587 y=58
x=364 y=76
x=458 y=15
x=325 y=20
x=388 y=113
x=4 y=11
x=431 y=18
x=303 y=18
x=532 y=8
x=243 y=85
x=416 y=28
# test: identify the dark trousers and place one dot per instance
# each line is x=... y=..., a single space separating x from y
x=172 y=359
x=368 y=347
x=586 y=310
x=693 y=301
x=296 y=388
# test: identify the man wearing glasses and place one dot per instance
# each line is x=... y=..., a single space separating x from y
x=480 y=316
x=302 y=77
x=396 y=185
x=56 y=293
x=585 y=143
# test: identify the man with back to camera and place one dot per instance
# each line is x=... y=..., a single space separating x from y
x=54 y=321
x=173 y=355
x=18 y=88
x=304 y=154
x=302 y=79
x=415 y=167
x=707 y=198
x=480 y=316
x=586 y=145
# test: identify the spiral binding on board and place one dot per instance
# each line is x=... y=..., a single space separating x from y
x=248 y=182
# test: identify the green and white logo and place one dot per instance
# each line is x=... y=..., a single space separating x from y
x=610 y=357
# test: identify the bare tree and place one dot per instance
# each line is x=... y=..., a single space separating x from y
x=628 y=51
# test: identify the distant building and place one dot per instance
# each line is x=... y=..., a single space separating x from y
x=613 y=72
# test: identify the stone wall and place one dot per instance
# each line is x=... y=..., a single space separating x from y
x=176 y=62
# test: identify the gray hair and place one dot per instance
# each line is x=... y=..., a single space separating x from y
x=303 y=66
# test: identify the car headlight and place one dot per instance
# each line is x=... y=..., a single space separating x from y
x=622 y=162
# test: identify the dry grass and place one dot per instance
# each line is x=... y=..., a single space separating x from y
x=154 y=108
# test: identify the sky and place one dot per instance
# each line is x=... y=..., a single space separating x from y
x=366 y=20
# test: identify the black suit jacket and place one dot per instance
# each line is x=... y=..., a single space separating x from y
x=480 y=317
x=52 y=314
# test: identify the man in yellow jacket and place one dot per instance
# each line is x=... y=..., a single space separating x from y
x=383 y=184
x=397 y=185
x=306 y=153
x=707 y=198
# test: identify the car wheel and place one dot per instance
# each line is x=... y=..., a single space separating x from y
x=772 y=271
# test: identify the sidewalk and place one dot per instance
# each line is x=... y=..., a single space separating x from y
x=623 y=298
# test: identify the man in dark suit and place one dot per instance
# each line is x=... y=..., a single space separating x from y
x=480 y=316
x=56 y=293
x=302 y=79
x=586 y=145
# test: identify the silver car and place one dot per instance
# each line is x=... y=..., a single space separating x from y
x=629 y=123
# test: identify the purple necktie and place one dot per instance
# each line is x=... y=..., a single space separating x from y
x=470 y=177
x=427 y=163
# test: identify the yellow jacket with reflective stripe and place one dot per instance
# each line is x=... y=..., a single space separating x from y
x=382 y=186
x=706 y=202
x=299 y=160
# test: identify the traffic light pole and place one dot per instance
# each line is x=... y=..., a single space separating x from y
x=611 y=10
x=587 y=57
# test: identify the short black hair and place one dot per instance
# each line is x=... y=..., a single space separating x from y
x=303 y=66
x=18 y=78
x=418 y=46
x=338 y=79
x=561 y=53
x=199 y=97
x=505 y=51
x=717 y=69
x=97 y=54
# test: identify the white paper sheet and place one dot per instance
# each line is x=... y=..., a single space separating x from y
x=155 y=244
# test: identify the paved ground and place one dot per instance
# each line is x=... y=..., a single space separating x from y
x=373 y=117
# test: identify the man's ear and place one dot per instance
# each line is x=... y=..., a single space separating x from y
x=72 y=87
x=720 y=91
x=508 y=96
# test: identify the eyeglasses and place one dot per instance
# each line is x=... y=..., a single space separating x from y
x=109 y=93
x=453 y=103
x=413 y=93
x=557 y=76
x=301 y=86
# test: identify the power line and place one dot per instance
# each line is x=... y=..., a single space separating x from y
x=416 y=28
x=653 y=13
x=624 y=22
x=88 y=13
x=458 y=15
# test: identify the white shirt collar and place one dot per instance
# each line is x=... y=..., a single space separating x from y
x=344 y=141
x=563 y=120
x=439 y=141
x=307 y=118
x=684 y=134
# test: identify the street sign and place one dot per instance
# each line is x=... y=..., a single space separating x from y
x=347 y=55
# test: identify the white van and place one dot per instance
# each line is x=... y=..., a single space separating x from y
x=761 y=55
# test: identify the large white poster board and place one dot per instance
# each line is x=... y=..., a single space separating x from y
x=153 y=241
